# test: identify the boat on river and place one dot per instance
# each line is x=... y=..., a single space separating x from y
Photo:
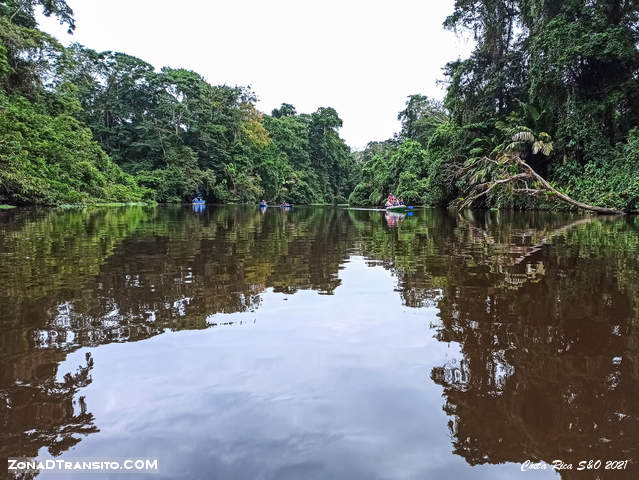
x=399 y=208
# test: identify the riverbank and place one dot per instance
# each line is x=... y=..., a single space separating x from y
x=107 y=204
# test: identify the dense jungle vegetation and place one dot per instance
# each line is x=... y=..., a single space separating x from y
x=80 y=126
x=554 y=83
x=550 y=84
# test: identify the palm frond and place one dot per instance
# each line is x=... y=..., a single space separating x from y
x=523 y=136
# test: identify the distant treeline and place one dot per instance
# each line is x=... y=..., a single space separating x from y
x=80 y=126
x=554 y=84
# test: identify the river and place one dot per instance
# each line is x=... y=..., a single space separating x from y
x=320 y=343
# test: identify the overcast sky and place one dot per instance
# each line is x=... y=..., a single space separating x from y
x=362 y=57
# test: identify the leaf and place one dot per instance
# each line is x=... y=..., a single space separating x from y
x=544 y=136
x=514 y=147
x=523 y=137
x=532 y=112
x=537 y=146
x=477 y=141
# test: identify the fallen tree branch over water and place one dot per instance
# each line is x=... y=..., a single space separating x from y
x=535 y=239
x=508 y=172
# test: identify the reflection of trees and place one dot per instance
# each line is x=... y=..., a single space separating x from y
x=544 y=308
x=180 y=269
x=54 y=256
x=38 y=411
x=412 y=251
x=177 y=269
x=550 y=369
x=547 y=328
x=79 y=278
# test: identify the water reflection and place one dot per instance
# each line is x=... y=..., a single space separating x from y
x=393 y=219
x=547 y=323
x=544 y=309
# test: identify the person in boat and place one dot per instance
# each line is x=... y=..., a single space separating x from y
x=389 y=201
x=263 y=203
x=401 y=201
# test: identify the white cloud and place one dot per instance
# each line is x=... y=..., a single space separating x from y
x=361 y=57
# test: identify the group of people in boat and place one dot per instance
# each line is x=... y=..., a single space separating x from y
x=393 y=201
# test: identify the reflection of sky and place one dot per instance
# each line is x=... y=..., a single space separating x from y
x=308 y=386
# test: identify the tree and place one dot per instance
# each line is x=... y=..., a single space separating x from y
x=507 y=170
x=570 y=69
x=329 y=154
x=285 y=110
x=421 y=117
x=22 y=12
x=171 y=133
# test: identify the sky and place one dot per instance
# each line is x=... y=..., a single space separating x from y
x=362 y=58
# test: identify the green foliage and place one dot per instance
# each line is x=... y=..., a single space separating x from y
x=49 y=160
x=564 y=74
x=398 y=170
x=563 y=70
x=329 y=155
x=148 y=120
x=375 y=175
x=22 y=12
x=444 y=149
x=175 y=135
x=421 y=117
x=418 y=166
x=611 y=182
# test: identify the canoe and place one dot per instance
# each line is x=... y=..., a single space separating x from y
x=399 y=208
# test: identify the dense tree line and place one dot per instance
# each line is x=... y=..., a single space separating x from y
x=552 y=84
x=82 y=126
x=562 y=75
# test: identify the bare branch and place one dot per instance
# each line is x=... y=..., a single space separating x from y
x=528 y=173
x=529 y=191
x=565 y=198
x=492 y=185
x=16 y=12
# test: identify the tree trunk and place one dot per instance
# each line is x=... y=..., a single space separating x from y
x=529 y=173
x=566 y=198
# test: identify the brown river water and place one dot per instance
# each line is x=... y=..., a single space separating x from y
x=321 y=343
